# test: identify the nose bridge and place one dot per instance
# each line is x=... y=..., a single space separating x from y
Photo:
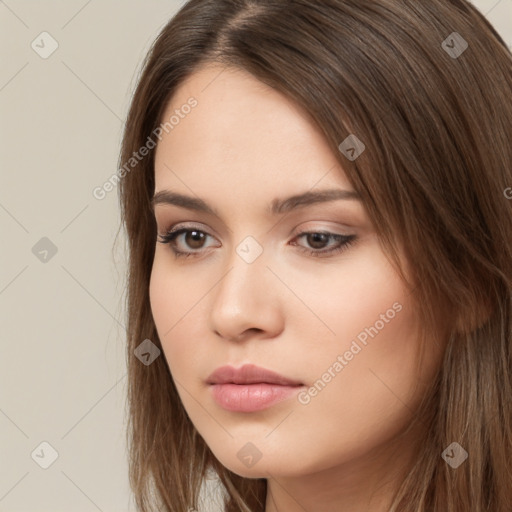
x=246 y=267
x=242 y=300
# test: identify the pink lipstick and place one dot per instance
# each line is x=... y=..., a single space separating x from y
x=249 y=388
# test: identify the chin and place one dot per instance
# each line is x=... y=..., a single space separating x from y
x=276 y=464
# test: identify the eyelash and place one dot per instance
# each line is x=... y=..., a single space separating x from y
x=345 y=240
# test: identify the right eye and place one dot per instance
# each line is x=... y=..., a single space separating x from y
x=194 y=239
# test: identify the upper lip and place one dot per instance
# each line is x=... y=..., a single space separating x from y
x=248 y=374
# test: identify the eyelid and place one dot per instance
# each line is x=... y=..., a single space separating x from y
x=320 y=226
x=198 y=226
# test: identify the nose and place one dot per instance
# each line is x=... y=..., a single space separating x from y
x=246 y=301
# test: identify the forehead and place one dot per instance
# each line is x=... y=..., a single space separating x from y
x=243 y=135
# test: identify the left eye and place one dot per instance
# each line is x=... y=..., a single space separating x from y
x=315 y=238
x=194 y=239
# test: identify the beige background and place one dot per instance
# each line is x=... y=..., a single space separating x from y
x=63 y=374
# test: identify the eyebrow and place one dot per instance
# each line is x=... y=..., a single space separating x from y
x=277 y=206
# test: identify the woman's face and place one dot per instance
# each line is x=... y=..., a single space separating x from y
x=325 y=311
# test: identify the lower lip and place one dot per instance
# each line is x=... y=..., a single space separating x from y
x=250 y=397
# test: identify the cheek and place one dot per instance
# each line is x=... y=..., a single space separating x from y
x=175 y=306
x=171 y=296
x=366 y=403
x=362 y=372
x=361 y=297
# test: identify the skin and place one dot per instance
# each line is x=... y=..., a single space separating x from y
x=241 y=147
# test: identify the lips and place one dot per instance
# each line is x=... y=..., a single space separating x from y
x=249 y=374
x=249 y=388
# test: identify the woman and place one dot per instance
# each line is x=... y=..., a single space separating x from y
x=320 y=249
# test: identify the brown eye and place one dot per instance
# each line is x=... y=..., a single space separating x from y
x=185 y=242
x=317 y=240
x=194 y=239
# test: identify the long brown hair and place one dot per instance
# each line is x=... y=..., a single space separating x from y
x=426 y=86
